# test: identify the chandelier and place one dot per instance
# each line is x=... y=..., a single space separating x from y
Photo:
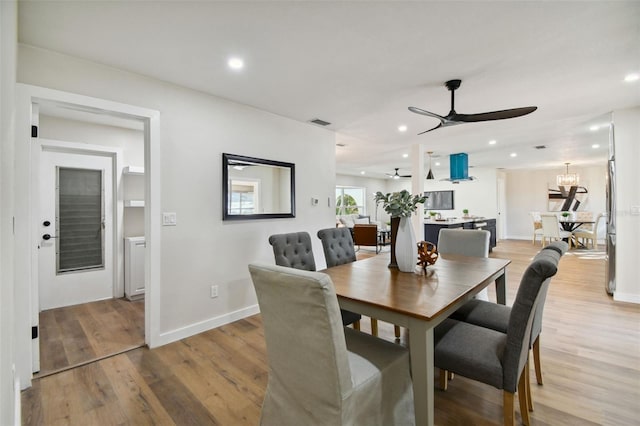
x=568 y=179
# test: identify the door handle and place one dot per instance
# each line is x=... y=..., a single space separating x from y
x=47 y=237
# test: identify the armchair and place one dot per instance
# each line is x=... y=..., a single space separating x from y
x=365 y=235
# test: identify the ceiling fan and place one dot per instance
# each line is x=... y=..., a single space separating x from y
x=453 y=118
x=396 y=175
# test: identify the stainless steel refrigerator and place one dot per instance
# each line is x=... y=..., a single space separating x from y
x=610 y=274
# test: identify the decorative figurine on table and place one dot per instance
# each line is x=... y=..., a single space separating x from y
x=427 y=254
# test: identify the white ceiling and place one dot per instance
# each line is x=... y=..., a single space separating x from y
x=360 y=64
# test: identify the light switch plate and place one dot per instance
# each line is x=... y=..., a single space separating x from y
x=635 y=210
x=169 y=219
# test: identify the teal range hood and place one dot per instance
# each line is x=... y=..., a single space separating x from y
x=459 y=168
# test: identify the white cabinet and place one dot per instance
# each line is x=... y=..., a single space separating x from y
x=134 y=248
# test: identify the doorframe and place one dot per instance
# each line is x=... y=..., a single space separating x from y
x=115 y=154
x=26 y=241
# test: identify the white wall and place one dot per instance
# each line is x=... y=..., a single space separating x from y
x=527 y=190
x=9 y=404
x=627 y=154
x=196 y=129
x=478 y=196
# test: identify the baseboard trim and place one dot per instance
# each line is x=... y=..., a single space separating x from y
x=199 y=327
x=626 y=297
x=17 y=401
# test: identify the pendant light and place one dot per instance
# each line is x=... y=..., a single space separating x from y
x=568 y=179
x=430 y=174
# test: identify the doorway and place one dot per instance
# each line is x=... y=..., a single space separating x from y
x=27 y=226
x=76 y=254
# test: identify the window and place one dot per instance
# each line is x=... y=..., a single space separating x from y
x=244 y=197
x=80 y=212
x=350 y=200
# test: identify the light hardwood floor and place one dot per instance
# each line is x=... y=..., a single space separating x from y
x=590 y=350
x=75 y=335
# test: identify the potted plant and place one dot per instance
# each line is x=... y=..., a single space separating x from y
x=400 y=206
x=465 y=212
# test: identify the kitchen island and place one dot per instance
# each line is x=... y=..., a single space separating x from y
x=432 y=227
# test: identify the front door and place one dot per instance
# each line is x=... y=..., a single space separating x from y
x=75 y=262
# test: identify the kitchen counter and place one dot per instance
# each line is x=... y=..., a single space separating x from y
x=432 y=227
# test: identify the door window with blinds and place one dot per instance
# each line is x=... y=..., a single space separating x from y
x=80 y=220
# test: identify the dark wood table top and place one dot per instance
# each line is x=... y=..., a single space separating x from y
x=422 y=296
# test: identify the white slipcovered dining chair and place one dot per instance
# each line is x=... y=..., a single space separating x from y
x=586 y=235
x=537 y=226
x=321 y=373
x=551 y=230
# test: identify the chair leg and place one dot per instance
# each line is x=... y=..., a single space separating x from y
x=396 y=330
x=356 y=325
x=528 y=385
x=374 y=327
x=443 y=379
x=522 y=396
x=508 y=411
x=536 y=359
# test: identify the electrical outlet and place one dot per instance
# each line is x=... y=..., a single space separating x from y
x=214 y=291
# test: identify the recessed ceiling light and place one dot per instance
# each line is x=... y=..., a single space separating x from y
x=402 y=128
x=595 y=145
x=513 y=154
x=235 y=63
x=405 y=155
x=631 y=77
x=362 y=172
x=437 y=164
x=492 y=142
x=594 y=128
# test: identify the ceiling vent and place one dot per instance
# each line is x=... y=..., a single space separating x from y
x=540 y=146
x=319 y=122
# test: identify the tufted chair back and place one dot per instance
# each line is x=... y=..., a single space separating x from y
x=337 y=245
x=293 y=250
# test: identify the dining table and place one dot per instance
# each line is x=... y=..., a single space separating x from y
x=571 y=225
x=418 y=301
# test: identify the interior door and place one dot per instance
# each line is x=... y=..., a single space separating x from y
x=75 y=262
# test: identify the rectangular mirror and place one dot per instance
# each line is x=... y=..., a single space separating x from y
x=254 y=188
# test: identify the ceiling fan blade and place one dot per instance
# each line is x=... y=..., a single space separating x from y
x=437 y=127
x=493 y=115
x=427 y=113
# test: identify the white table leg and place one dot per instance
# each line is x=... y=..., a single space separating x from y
x=422 y=371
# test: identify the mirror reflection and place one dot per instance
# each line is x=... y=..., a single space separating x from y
x=255 y=188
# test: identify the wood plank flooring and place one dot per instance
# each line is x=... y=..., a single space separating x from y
x=75 y=335
x=590 y=350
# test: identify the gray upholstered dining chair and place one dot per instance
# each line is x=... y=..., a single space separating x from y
x=294 y=250
x=517 y=327
x=319 y=371
x=338 y=248
x=465 y=242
